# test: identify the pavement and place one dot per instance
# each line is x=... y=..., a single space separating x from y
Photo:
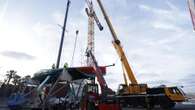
x=3 y=104
x=184 y=106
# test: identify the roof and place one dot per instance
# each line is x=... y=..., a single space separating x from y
x=74 y=72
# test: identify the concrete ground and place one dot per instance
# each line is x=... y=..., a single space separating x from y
x=185 y=106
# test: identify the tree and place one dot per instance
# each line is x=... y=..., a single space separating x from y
x=10 y=75
x=26 y=79
x=16 y=79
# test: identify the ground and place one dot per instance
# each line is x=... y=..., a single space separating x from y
x=178 y=107
x=184 y=106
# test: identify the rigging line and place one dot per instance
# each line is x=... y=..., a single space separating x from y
x=75 y=44
x=116 y=60
x=81 y=56
x=78 y=91
x=189 y=85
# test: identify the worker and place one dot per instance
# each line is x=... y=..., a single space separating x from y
x=66 y=65
x=40 y=95
x=53 y=66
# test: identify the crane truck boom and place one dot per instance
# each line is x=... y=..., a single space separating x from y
x=99 y=74
x=134 y=87
x=104 y=101
x=140 y=94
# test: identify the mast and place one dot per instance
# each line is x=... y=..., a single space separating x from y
x=92 y=17
x=62 y=36
x=90 y=36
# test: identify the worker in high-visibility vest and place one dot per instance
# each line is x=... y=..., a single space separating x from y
x=65 y=65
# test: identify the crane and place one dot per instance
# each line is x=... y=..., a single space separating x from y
x=134 y=87
x=91 y=18
x=140 y=94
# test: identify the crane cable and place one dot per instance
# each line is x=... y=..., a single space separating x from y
x=75 y=44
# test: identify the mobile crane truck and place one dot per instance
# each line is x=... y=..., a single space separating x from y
x=136 y=94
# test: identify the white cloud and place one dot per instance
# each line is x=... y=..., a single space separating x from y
x=167 y=19
x=3 y=8
x=145 y=7
x=58 y=17
x=171 y=6
x=164 y=25
x=44 y=30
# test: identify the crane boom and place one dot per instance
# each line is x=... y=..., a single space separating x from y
x=118 y=47
x=98 y=72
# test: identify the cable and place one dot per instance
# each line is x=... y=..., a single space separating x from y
x=75 y=44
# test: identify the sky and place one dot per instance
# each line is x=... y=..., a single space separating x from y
x=157 y=37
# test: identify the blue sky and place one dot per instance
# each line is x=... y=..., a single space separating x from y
x=157 y=37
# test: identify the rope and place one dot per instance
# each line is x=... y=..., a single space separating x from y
x=56 y=91
x=75 y=44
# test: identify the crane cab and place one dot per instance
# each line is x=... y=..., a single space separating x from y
x=166 y=96
x=175 y=94
x=172 y=93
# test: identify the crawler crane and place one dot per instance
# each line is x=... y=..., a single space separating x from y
x=136 y=94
